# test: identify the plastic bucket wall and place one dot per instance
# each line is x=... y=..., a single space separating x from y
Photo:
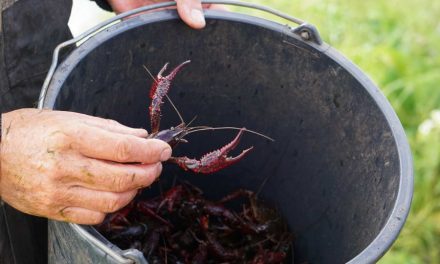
x=340 y=169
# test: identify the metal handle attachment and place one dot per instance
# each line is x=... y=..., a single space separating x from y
x=308 y=32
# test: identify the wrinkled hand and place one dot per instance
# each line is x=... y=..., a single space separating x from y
x=189 y=10
x=73 y=167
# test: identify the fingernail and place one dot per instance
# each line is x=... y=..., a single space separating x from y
x=166 y=154
x=142 y=132
x=159 y=168
x=198 y=17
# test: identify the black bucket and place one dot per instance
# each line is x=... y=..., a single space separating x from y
x=340 y=169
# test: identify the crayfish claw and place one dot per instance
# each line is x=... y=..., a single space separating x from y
x=158 y=91
x=175 y=71
x=240 y=156
x=215 y=160
x=164 y=68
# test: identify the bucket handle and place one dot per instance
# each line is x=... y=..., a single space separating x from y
x=305 y=31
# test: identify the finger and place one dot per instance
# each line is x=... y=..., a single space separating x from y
x=108 y=124
x=100 y=201
x=115 y=126
x=191 y=13
x=218 y=7
x=108 y=176
x=80 y=215
x=102 y=144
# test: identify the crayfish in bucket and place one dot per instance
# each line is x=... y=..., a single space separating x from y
x=181 y=226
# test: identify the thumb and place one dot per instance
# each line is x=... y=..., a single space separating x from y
x=191 y=13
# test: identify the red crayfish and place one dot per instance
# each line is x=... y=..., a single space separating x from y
x=210 y=162
x=182 y=226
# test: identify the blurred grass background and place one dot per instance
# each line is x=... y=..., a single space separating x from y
x=397 y=43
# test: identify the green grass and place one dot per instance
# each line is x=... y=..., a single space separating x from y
x=397 y=43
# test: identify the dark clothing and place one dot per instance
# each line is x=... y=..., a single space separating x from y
x=103 y=4
x=29 y=31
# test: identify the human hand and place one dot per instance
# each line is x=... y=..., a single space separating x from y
x=189 y=10
x=73 y=167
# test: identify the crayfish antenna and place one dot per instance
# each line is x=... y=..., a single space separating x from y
x=149 y=73
x=175 y=109
x=207 y=128
x=192 y=120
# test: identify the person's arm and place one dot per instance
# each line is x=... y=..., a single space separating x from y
x=73 y=167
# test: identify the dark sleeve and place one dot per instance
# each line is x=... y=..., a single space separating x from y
x=6 y=255
x=29 y=32
x=104 y=4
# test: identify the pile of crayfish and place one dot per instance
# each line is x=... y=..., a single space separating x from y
x=181 y=226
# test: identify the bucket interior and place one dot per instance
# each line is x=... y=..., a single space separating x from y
x=333 y=170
